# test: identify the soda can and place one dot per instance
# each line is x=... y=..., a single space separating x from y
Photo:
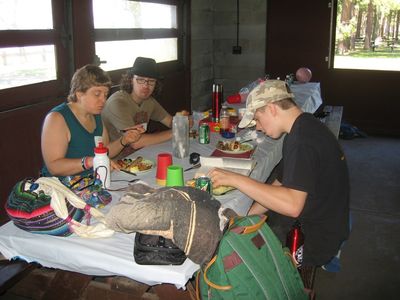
x=203 y=183
x=204 y=134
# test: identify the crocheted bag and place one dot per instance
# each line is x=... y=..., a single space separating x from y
x=30 y=210
x=46 y=206
x=89 y=189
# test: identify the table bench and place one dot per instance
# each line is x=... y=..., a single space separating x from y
x=333 y=118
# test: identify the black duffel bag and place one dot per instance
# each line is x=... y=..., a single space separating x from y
x=156 y=250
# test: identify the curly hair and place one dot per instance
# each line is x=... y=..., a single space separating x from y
x=127 y=85
x=87 y=77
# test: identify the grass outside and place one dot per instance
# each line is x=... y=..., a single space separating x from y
x=383 y=58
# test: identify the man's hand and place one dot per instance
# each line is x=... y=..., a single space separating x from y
x=132 y=134
x=223 y=177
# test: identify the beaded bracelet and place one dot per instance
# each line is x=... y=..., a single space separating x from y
x=120 y=141
x=83 y=163
x=86 y=162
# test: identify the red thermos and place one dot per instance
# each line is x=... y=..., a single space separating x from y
x=295 y=243
x=217 y=99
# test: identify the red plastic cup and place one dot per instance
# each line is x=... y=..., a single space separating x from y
x=163 y=161
x=234 y=98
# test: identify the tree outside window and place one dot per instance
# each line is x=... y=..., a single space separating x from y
x=367 y=35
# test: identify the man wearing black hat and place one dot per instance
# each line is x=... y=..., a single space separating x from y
x=134 y=104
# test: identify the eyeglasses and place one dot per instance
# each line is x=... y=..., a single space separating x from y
x=150 y=82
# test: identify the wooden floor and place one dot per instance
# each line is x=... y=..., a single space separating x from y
x=46 y=284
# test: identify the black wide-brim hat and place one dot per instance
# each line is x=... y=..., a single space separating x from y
x=145 y=67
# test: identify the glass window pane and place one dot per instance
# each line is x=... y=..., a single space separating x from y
x=25 y=14
x=26 y=65
x=133 y=14
x=367 y=35
x=121 y=54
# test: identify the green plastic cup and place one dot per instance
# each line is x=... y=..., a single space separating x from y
x=174 y=175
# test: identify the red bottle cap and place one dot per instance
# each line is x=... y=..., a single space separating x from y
x=100 y=149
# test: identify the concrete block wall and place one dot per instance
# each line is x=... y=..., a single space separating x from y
x=213 y=32
x=202 y=57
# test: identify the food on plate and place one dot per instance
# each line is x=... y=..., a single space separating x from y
x=229 y=145
x=233 y=146
x=135 y=165
x=216 y=191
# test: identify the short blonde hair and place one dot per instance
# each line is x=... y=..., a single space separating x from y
x=87 y=77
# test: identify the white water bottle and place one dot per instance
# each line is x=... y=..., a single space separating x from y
x=101 y=165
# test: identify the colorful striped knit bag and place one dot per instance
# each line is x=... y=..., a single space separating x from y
x=46 y=206
x=30 y=210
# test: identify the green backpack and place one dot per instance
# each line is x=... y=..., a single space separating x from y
x=250 y=263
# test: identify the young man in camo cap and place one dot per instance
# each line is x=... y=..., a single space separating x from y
x=312 y=184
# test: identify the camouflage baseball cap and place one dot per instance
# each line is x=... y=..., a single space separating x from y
x=268 y=91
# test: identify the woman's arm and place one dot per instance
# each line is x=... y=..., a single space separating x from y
x=54 y=143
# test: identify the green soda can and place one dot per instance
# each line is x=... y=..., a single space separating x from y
x=204 y=134
x=203 y=183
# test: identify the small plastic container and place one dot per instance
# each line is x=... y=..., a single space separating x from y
x=224 y=119
x=227 y=134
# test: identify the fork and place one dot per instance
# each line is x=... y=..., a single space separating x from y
x=245 y=141
x=122 y=188
x=124 y=180
x=128 y=172
x=196 y=166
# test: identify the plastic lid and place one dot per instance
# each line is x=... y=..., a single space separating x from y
x=100 y=149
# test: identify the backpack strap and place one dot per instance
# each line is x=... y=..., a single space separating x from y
x=213 y=285
x=247 y=229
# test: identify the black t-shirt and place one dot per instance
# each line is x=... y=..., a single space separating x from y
x=313 y=162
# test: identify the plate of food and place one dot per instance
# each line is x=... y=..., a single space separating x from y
x=234 y=147
x=136 y=165
x=221 y=190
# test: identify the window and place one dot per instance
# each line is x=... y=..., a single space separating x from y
x=33 y=51
x=125 y=30
x=24 y=64
x=43 y=42
x=367 y=35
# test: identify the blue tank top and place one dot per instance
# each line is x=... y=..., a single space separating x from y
x=82 y=142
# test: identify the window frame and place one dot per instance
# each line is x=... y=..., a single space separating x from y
x=333 y=5
x=73 y=27
x=121 y=34
x=15 y=97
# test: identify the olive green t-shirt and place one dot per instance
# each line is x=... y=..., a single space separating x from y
x=121 y=112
